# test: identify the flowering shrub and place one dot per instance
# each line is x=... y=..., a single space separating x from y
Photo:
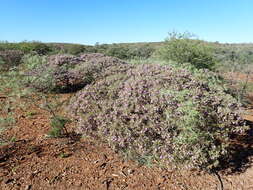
x=160 y=113
x=70 y=73
x=10 y=58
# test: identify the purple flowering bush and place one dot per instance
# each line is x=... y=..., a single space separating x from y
x=66 y=73
x=160 y=113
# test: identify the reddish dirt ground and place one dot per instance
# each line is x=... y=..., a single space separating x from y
x=35 y=162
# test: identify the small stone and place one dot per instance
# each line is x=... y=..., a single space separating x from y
x=9 y=181
x=28 y=187
x=130 y=171
x=78 y=183
x=160 y=180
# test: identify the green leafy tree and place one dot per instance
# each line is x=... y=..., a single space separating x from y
x=183 y=48
x=41 y=48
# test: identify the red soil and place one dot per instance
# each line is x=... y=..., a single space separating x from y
x=36 y=162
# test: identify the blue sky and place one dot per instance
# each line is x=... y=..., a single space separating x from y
x=112 y=21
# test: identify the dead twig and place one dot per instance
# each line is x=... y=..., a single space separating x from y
x=220 y=180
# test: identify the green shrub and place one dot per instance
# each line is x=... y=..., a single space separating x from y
x=126 y=51
x=118 y=51
x=33 y=47
x=140 y=52
x=33 y=76
x=182 y=49
x=32 y=61
x=6 y=122
x=58 y=126
x=27 y=47
x=75 y=49
x=41 y=48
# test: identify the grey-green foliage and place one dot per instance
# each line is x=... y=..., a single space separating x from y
x=193 y=145
x=201 y=138
x=31 y=61
x=10 y=92
x=227 y=54
x=6 y=122
x=181 y=48
x=237 y=67
x=15 y=95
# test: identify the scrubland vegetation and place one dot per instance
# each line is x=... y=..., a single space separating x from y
x=168 y=103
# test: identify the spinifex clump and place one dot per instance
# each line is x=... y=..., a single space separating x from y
x=65 y=73
x=160 y=113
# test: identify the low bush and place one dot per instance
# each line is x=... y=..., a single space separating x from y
x=126 y=51
x=10 y=58
x=76 y=49
x=160 y=113
x=67 y=73
x=141 y=52
x=32 y=61
x=58 y=126
x=40 y=48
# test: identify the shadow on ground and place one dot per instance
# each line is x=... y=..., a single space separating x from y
x=19 y=151
x=242 y=153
